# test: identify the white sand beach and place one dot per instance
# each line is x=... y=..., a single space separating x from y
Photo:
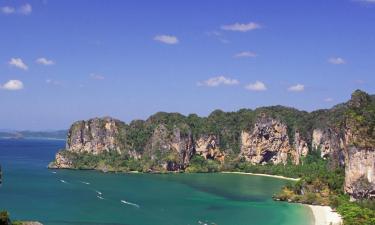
x=325 y=216
x=265 y=175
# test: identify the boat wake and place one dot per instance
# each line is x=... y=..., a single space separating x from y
x=130 y=203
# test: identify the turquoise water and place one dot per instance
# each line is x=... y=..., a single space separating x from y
x=65 y=197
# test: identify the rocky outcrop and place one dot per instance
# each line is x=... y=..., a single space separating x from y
x=96 y=136
x=174 y=146
x=360 y=147
x=326 y=141
x=277 y=135
x=330 y=144
x=360 y=173
x=208 y=147
x=61 y=162
x=268 y=141
x=300 y=148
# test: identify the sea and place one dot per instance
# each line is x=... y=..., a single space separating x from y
x=31 y=191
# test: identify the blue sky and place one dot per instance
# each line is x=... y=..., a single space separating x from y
x=61 y=61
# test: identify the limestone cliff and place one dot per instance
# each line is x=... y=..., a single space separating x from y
x=168 y=141
x=268 y=141
x=174 y=146
x=301 y=148
x=360 y=147
x=96 y=136
x=208 y=147
x=330 y=144
x=360 y=173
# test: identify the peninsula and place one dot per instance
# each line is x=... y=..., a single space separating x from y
x=332 y=151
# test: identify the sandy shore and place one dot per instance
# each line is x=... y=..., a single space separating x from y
x=265 y=175
x=325 y=216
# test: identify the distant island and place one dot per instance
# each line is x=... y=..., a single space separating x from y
x=58 y=134
x=332 y=151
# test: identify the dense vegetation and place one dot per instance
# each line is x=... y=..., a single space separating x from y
x=5 y=219
x=320 y=185
x=321 y=181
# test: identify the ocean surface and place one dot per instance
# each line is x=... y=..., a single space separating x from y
x=30 y=191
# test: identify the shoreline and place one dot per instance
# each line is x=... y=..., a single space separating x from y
x=324 y=215
x=264 y=175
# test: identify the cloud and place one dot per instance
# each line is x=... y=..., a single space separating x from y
x=336 y=60
x=12 y=85
x=217 y=81
x=25 y=9
x=53 y=82
x=7 y=10
x=167 y=39
x=365 y=1
x=257 y=86
x=245 y=54
x=297 y=88
x=44 y=61
x=96 y=76
x=218 y=35
x=241 y=27
x=328 y=99
x=359 y=81
x=17 y=62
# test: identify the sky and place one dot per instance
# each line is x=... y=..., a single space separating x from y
x=62 y=61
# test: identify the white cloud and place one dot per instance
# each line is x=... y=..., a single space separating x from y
x=53 y=82
x=17 y=62
x=245 y=54
x=25 y=9
x=7 y=10
x=336 y=60
x=96 y=76
x=12 y=85
x=241 y=27
x=217 y=81
x=366 y=1
x=44 y=61
x=328 y=99
x=167 y=39
x=297 y=88
x=218 y=35
x=257 y=86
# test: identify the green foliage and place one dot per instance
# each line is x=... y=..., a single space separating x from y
x=4 y=218
x=354 y=214
x=198 y=164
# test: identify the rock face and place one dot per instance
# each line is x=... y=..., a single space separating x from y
x=330 y=144
x=95 y=136
x=274 y=135
x=327 y=141
x=360 y=147
x=300 y=148
x=208 y=147
x=175 y=146
x=360 y=173
x=61 y=162
x=267 y=142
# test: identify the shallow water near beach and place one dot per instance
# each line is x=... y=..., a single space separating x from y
x=67 y=197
